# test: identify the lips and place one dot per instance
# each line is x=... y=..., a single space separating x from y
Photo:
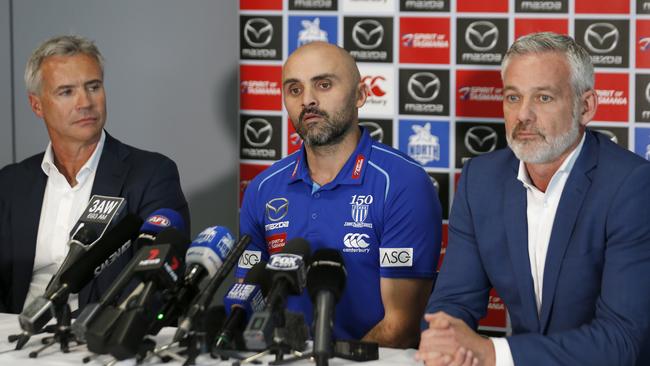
x=308 y=117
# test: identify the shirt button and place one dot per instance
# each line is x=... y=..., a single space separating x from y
x=314 y=216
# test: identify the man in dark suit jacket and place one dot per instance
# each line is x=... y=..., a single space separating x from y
x=558 y=224
x=64 y=79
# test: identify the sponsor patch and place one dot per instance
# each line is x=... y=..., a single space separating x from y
x=249 y=258
x=396 y=257
x=275 y=243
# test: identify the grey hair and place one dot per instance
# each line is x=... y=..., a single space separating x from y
x=68 y=45
x=580 y=66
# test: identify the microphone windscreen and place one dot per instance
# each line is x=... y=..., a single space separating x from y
x=210 y=248
x=300 y=247
x=326 y=273
x=175 y=238
x=260 y=276
x=83 y=270
x=161 y=219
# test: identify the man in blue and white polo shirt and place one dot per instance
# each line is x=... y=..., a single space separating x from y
x=343 y=190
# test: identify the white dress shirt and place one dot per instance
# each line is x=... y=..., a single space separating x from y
x=62 y=207
x=540 y=213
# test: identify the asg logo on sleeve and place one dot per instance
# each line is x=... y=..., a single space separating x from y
x=261 y=37
x=606 y=41
x=482 y=42
x=249 y=258
x=396 y=257
x=369 y=39
x=424 y=91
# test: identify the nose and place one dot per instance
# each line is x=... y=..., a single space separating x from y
x=84 y=100
x=309 y=98
x=526 y=112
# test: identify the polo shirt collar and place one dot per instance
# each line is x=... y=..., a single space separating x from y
x=352 y=172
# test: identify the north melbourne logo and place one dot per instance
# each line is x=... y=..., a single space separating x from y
x=423 y=147
x=311 y=32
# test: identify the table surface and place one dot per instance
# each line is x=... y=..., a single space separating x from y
x=54 y=356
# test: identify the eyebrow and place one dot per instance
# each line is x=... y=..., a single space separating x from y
x=536 y=89
x=71 y=86
x=314 y=78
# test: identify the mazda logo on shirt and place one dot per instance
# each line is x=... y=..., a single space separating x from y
x=601 y=37
x=258 y=32
x=277 y=209
x=423 y=86
x=480 y=140
x=367 y=34
x=374 y=129
x=258 y=132
x=481 y=35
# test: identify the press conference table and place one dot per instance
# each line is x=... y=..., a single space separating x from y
x=54 y=356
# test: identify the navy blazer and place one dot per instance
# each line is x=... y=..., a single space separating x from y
x=148 y=181
x=596 y=295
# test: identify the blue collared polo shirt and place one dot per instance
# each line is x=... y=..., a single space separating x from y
x=381 y=212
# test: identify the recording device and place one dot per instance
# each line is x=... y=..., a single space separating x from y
x=201 y=302
x=152 y=226
x=120 y=330
x=77 y=274
x=241 y=301
x=326 y=278
x=203 y=259
x=288 y=272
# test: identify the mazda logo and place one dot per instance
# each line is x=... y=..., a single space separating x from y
x=482 y=35
x=258 y=132
x=480 y=140
x=435 y=183
x=423 y=86
x=367 y=34
x=647 y=92
x=277 y=209
x=374 y=129
x=601 y=37
x=258 y=32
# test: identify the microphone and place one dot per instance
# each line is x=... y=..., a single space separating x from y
x=158 y=267
x=289 y=276
x=77 y=274
x=204 y=257
x=241 y=301
x=326 y=278
x=155 y=223
x=198 y=307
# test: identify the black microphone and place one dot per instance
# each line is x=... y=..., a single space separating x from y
x=289 y=274
x=200 y=304
x=158 y=221
x=119 y=330
x=241 y=301
x=78 y=273
x=326 y=278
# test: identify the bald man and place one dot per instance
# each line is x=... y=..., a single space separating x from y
x=344 y=191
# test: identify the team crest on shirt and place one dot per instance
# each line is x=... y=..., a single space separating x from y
x=360 y=207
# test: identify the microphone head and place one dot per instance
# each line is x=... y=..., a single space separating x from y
x=326 y=273
x=260 y=276
x=210 y=248
x=85 y=235
x=161 y=219
x=298 y=246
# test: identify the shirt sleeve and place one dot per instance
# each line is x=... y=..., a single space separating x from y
x=411 y=236
x=502 y=352
x=251 y=224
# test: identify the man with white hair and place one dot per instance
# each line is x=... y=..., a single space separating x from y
x=558 y=224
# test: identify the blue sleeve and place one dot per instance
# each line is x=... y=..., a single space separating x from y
x=462 y=288
x=251 y=222
x=412 y=227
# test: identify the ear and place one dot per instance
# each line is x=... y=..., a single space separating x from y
x=36 y=104
x=362 y=94
x=588 y=106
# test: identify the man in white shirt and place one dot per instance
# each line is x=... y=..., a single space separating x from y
x=557 y=224
x=43 y=196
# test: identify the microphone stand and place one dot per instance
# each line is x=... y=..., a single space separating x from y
x=61 y=330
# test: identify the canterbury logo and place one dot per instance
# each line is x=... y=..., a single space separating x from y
x=356 y=240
